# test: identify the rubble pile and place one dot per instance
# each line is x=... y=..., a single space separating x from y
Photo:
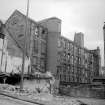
x=7 y=87
x=66 y=101
x=45 y=97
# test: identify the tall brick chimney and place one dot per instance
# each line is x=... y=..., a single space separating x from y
x=104 y=42
x=79 y=39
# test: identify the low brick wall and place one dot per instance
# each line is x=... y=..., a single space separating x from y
x=84 y=91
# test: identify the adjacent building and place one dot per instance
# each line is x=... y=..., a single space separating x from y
x=76 y=64
x=46 y=50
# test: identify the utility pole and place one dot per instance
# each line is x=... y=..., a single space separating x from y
x=24 y=49
x=104 y=51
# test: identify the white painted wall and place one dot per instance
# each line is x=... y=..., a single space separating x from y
x=1 y=43
x=2 y=54
x=14 y=64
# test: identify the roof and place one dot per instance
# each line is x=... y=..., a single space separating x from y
x=90 y=51
x=47 y=19
x=19 y=43
x=16 y=11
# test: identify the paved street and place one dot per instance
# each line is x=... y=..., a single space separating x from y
x=4 y=100
x=90 y=101
x=93 y=101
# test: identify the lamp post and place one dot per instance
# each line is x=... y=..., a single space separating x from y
x=24 y=50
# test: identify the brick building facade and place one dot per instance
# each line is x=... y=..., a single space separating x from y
x=76 y=64
x=36 y=37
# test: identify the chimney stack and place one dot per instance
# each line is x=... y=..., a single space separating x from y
x=104 y=42
x=79 y=39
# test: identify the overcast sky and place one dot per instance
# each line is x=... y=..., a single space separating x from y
x=85 y=16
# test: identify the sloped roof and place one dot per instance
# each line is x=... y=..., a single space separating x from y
x=13 y=36
x=18 y=12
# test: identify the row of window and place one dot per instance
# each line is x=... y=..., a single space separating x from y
x=73 y=78
x=66 y=58
x=38 y=61
x=35 y=68
x=73 y=49
x=72 y=69
x=39 y=45
x=69 y=45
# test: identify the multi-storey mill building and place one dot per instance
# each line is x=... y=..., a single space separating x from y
x=36 y=38
x=75 y=63
x=67 y=60
x=71 y=62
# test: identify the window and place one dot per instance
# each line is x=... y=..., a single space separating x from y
x=59 y=43
x=43 y=47
x=44 y=33
x=42 y=62
x=58 y=69
x=72 y=58
x=68 y=56
x=72 y=69
x=79 y=60
x=34 y=60
x=35 y=46
x=86 y=74
x=64 y=43
x=68 y=68
x=64 y=77
x=36 y=32
x=64 y=55
x=79 y=51
x=69 y=79
x=68 y=44
x=60 y=77
x=71 y=46
x=75 y=60
x=64 y=68
x=75 y=70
